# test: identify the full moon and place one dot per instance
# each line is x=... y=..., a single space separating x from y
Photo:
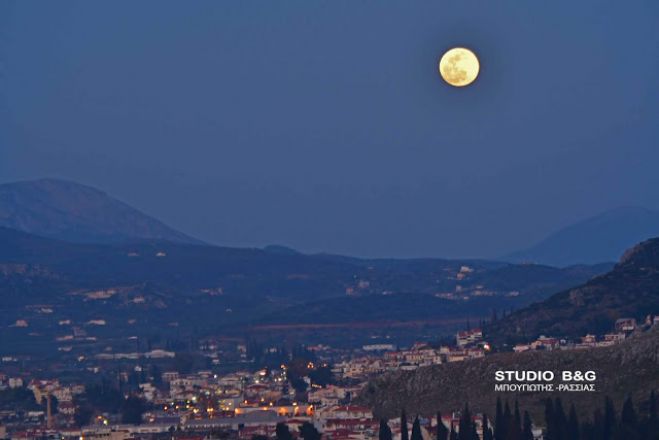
x=459 y=67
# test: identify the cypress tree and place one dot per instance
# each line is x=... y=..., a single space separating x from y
x=384 y=432
x=597 y=431
x=527 y=430
x=609 y=422
x=442 y=431
x=507 y=421
x=498 y=421
x=515 y=424
x=309 y=432
x=573 y=424
x=416 y=429
x=653 y=417
x=404 y=435
x=587 y=431
x=628 y=416
x=466 y=425
x=560 y=420
x=628 y=421
x=453 y=435
x=487 y=432
x=282 y=432
x=550 y=433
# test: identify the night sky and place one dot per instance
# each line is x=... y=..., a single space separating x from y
x=325 y=125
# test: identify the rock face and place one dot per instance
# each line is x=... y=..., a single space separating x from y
x=630 y=368
x=73 y=212
x=631 y=289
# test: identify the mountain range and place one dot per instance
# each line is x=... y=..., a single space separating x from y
x=603 y=237
x=86 y=255
x=78 y=213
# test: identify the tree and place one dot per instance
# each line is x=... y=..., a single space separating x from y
x=309 y=432
x=54 y=404
x=83 y=415
x=442 y=431
x=507 y=421
x=384 y=432
x=467 y=429
x=132 y=410
x=259 y=437
x=453 y=435
x=597 y=430
x=628 y=416
x=573 y=423
x=549 y=420
x=184 y=363
x=499 y=425
x=514 y=429
x=416 y=429
x=487 y=432
x=560 y=420
x=156 y=374
x=628 y=422
x=527 y=429
x=322 y=376
x=652 y=424
x=555 y=420
x=609 y=422
x=404 y=435
x=282 y=432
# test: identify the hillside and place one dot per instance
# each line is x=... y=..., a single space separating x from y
x=630 y=368
x=207 y=288
x=597 y=239
x=77 y=213
x=631 y=289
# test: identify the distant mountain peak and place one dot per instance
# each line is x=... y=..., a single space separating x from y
x=601 y=238
x=281 y=249
x=71 y=211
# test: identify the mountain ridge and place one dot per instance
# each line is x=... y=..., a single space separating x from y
x=211 y=287
x=600 y=238
x=70 y=211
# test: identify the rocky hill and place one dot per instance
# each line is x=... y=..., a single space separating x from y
x=630 y=368
x=631 y=289
x=78 y=213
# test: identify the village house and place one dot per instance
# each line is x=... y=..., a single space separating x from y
x=468 y=337
x=625 y=325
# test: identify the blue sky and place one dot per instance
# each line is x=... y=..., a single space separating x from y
x=325 y=126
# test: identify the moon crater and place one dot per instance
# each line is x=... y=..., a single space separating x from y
x=459 y=67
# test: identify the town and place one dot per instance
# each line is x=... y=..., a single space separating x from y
x=245 y=391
